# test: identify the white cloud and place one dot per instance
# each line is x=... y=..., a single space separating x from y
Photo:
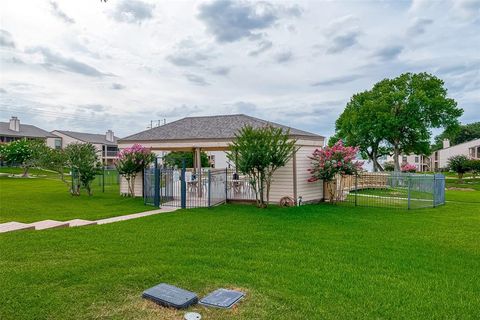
x=123 y=63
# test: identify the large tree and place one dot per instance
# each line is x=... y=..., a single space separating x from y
x=358 y=126
x=409 y=106
x=258 y=153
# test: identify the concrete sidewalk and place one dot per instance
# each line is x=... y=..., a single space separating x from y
x=50 y=224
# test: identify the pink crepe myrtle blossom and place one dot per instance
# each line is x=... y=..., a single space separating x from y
x=327 y=162
x=407 y=167
x=132 y=160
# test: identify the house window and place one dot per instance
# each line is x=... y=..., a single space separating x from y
x=416 y=159
x=475 y=152
x=404 y=159
x=58 y=143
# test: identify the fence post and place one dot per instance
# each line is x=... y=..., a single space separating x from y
x=409 y=183
x=209 y=187
x=183 y=186
x=156 y=198
x=226 y=184
x=103 y=179
x=434 y=190
x=356 y=188
x=144 y=183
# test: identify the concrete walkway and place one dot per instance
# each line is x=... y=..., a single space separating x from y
x=50 y=224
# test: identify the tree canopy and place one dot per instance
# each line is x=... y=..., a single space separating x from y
x=464 y=133
x=396 y=116
x=175 y=158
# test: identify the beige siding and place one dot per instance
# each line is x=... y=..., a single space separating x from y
x=309 y=191
x=138 y=185
x=282 y=183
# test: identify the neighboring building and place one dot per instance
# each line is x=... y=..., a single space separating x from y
x=440 y=157
x=14 y=130
x=422 y=162
x=213 y=135
x=106 y=144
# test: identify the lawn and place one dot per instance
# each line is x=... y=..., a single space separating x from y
x=44 y=196
x=309 y=262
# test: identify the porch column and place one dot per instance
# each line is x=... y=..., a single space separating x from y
x=198 y=162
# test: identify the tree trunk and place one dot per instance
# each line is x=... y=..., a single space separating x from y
x=377 y=166
x=25 y=171
x=460 y=177
x=132 y=186
x=396 y=155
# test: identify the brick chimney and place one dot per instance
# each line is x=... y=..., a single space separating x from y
x=446 y=143
x=110 y=136
x=14 y=124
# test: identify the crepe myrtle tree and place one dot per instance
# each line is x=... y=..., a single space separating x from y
x=131 y=161
x=82 y=158
x=258 y=153
x=334 y=163
x=25 y=153
x=408 y=167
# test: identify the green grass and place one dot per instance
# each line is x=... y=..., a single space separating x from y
x=309 y=262
x=44 y=196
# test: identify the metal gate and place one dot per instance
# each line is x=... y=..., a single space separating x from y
x=184 y=188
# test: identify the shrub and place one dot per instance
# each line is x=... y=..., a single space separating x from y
x=389 y=166
x=330 y=162
x=131 y=161
x=407 y=167
x=474 y=167
x=459 y=164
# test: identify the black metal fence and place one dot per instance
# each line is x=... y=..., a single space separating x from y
x=186 y=188
x=392 y=190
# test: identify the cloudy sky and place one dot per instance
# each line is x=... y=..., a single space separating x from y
x=89 y=65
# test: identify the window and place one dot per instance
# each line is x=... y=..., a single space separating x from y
x=416 y=159
x=58 y=143
x=404 y=159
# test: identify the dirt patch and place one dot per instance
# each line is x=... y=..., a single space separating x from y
x=460 y=189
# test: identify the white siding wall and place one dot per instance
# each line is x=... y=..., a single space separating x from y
x=459 y=149
x=309 y=191
x=282 y=183
x=138 y=185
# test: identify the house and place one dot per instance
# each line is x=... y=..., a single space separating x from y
x=213 y=134
x=440 y=157
x=421 y=162
x=105 y=144
x=14 y=130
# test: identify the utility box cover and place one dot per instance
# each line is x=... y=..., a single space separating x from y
x=222 y=298
x=170 y=296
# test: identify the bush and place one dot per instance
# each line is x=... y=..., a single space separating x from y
x=459 y=164
x=389 y=166
x=474 y=167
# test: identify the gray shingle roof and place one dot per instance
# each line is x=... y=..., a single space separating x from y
x=88 y=137
x=209 y=127
x=26 y=130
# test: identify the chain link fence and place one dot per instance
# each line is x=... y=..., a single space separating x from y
x=392 y=190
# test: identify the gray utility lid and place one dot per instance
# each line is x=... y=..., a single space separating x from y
x=222 y=298
x=170 y=296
